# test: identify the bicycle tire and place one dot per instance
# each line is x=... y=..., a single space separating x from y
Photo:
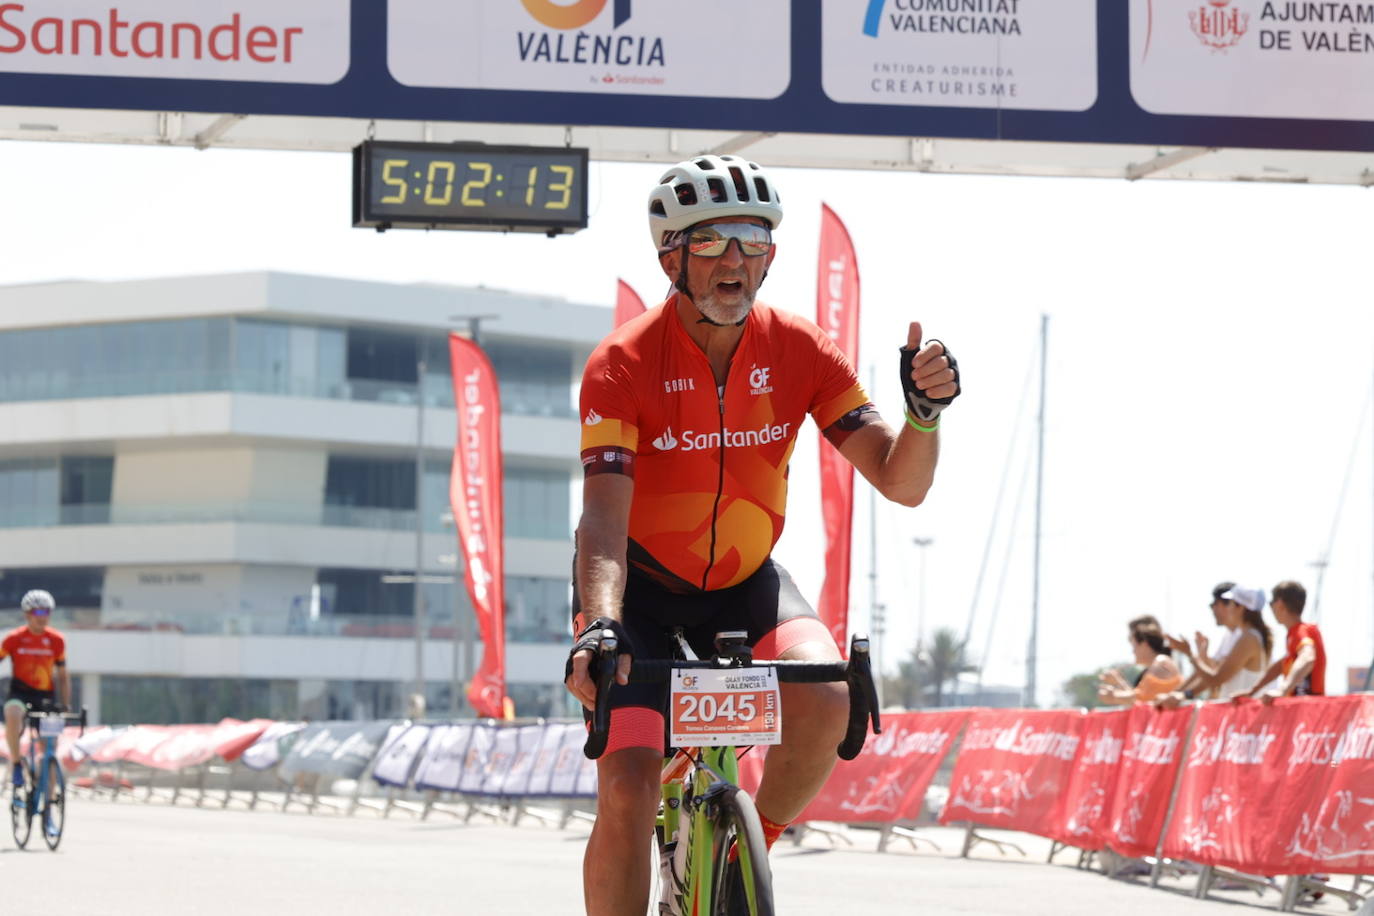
x=739 y=820
x=54 y=806
x=21 y=809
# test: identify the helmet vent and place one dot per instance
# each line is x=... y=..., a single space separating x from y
x=761 y=189
x=657 y=209
x=717 y=189
x=706 y=165
x=741 y=186
x=686 y=194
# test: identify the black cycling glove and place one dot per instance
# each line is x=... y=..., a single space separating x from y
x=923 y=407
x=592 y=635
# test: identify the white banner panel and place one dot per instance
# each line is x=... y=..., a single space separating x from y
x=527 y=746
x=503 y=753
x=708 y=48
x=567 y=761
x=441 y=767
x=393 y=765
x=1039 y=54
x=267 y=751
x=1253 y=58
x=273 y=41
x=476 y=758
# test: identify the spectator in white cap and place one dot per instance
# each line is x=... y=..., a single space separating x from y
x=1242 y=656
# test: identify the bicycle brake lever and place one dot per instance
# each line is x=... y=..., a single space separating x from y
x=604 y=677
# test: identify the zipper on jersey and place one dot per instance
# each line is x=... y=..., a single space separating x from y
x=720 y=484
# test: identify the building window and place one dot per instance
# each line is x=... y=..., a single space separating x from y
x=71 y=587
x=29 y=492
x=537 y=503
x=537 y=609
x=86 y=486
x=187 y=700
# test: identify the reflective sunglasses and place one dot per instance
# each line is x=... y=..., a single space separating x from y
x=712 y=241
x=39 y=612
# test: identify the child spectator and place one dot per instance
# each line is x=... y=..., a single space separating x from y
x=1304 y=667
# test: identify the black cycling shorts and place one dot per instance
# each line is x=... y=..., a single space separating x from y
x=767 y=605
x=32 y=697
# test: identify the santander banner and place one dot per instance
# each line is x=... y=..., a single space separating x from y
x=1282 y=789
x=837 y=314
x=475 y=496
x=271 y=41
x=1013 y=768
x=1155 y=742
x=627 y=303
x=1084 y=813
x=888 y=781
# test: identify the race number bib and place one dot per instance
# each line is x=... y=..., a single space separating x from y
x=727 y=706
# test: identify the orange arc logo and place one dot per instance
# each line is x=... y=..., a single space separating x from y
x=556 y=16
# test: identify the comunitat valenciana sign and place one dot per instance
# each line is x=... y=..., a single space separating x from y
x=1242 y=73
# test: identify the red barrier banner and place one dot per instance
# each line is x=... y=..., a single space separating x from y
x=888 y=781
x=837 y=314
x=1287 y=789
x=181 y=746
x=232 y=737
x=1085 y=812
x=627 y=303
x=1013 y=767
x=1155 y=742
x=475 y=495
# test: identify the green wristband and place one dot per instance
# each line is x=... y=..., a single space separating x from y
x=911 y=421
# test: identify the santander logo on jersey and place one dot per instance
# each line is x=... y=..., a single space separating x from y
x=692 y=441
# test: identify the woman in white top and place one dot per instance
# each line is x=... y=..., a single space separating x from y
x=1243 y=655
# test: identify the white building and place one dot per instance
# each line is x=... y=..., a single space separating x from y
x=215 y=476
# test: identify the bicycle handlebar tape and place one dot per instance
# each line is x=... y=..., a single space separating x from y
x=862 y=700
x=605 y=662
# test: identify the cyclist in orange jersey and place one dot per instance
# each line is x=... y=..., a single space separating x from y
x=37 y=653
x=689 y=416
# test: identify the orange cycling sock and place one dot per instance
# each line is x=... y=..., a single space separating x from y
x=771 y=831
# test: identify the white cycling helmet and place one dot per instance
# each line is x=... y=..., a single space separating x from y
x=708 y=187
x=37 y=598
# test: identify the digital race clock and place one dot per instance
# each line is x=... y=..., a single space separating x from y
x=469 y=186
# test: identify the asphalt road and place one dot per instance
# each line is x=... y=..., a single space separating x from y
x=158 y=860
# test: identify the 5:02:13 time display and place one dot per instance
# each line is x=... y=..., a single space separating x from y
x=477 y=184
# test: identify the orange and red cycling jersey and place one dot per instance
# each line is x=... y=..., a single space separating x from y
x=710 y=468
x=34 y=655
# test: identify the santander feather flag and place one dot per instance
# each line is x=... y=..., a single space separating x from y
x=627 y=303
x=837 y=313
x=475 y=496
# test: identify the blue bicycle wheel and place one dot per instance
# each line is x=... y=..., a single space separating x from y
x=21 y=809
x=54 y=807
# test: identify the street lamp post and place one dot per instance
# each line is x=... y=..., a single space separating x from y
x=922 y=543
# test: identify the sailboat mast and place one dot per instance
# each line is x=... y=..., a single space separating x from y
x=1032 y=648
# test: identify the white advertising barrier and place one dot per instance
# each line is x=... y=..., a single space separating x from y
x=85 y=746
x=473 y=773
x=1025 y=54
x=591 y=46
x=265 y=41
x=441 y=765
x=341 y=749
x=505 y=745
x=395 y=763
x=271 y=746
x=1253 y=58
x=512 y=762
x=573 y=774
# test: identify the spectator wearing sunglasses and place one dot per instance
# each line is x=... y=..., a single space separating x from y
x=690 y=414
x=38 y=654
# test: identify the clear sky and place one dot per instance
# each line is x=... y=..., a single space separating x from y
x=1211 y=362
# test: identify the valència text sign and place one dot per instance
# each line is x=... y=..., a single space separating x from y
x=1212 y=73
x=465 y=186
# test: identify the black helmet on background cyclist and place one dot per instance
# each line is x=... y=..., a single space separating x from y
x=707 y=188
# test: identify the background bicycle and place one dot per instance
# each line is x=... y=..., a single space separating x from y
x=44 y=793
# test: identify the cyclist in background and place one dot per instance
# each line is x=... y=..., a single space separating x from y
x=37 y=652
x=689 y=414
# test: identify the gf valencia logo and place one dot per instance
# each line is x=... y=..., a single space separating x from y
x=575 y=15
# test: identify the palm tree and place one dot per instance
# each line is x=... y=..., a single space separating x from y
x=946 y=660
x=927 y=669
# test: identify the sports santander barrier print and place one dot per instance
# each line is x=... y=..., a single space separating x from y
x=1086 y=808
x=1279 y=790
x=1013 y=768
x=887 y=783
x=475 y=496
x=1155 y=743
x=837 y=314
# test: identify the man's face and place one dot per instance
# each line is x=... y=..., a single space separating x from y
x=723 y=287
x=37 y=622
x=1281 y=612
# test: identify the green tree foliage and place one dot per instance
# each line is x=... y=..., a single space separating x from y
x=922 y=677
x=1081 y=689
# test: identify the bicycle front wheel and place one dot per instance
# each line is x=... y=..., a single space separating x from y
x=743 y=887
x=21 y=809
x=55 y=805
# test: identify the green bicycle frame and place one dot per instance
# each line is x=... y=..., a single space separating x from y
x=713 y=766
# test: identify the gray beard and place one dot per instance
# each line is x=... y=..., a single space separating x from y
x=724 y=314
